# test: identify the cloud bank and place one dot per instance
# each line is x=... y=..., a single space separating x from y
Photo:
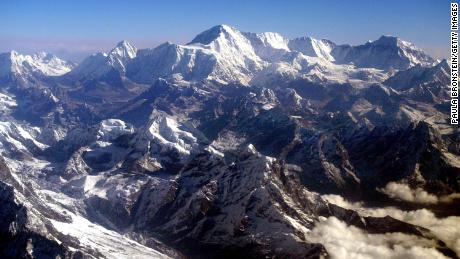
x=446 y=229
x=343 y=241
x=401 y=191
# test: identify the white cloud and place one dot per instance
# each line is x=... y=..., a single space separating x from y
x=343 y=241
x=446 y=229
x=401 y=191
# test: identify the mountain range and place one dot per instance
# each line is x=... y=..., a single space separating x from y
x=236 y=144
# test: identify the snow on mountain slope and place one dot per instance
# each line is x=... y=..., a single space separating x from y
x=121 y=54
x=206 y=163
x=111 y=129
x=224 y=54
x=169 y=140
x=413 y=53
x=42 y=64
x=417 y=75
x=313 y=47
x=227 y=55
x=6 y=103
x=269 y=46
x=59 y=217
x=100 y=64
x=15 y=137
x=107 y=242
x=162 y=143
x=221 y=53
x=296 y=65
x=191 y=63
x=384 y=53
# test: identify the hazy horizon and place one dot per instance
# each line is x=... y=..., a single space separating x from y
x=75 y=30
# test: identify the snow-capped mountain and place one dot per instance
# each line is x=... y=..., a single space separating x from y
x=21 y=69
x=385 y=53
x=419 y=74
x=236 y=144
x=101 y=64
x=101 y=73
x=42 y=63
x=221 y=53
x=227 y=55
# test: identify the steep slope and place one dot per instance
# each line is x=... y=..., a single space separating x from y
x=246 y=207
x=313 y=47
x=99 y=65
x=426 y=84
x=419 y=75
x=41 y=222
x=269 y=46
x=101 y=81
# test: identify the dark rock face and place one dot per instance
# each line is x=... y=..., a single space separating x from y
x=326 y=164
x=216 y=201
x=369 y=159
x=398 y=154
x=16 y=240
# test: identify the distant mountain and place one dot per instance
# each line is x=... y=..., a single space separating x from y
x=385 y=53
x=101 y=64
x=419 y=74
x=226 y=55
x=15 y=67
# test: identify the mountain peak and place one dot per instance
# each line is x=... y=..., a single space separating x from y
x=213 y=33
x=224 y=27
x=41 y=63
x=393 y=41
x=13 y=55
x=384 y=53
x=124 y=49
x=99 y=64
x=124 y=44
x=386 y=40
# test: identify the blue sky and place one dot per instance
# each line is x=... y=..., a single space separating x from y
x=76 y=28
